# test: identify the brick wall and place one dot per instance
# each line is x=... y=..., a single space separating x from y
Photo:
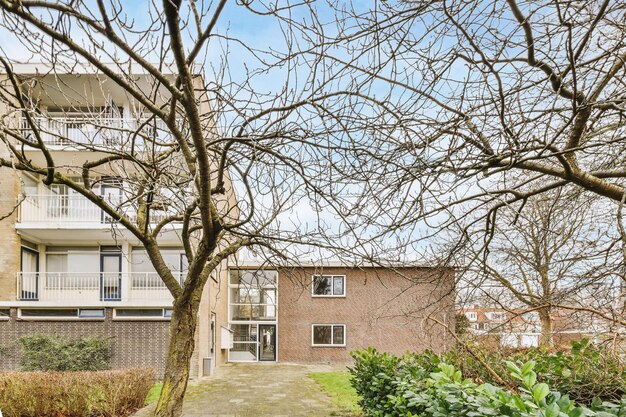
x=134 y=343
x=383 y=309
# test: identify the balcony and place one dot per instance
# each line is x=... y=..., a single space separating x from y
x=92 y=288
x=62 y=211
x=99 y=132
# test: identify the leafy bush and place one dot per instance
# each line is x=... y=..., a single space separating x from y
x=584 y=373
x=54 y=353
x=74 y=394
x=404 y=387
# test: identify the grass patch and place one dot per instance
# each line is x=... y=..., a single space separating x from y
x=154 y=393
x=337 y=386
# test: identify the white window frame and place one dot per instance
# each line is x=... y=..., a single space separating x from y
x=471 y=315
x=3 y=317
x=332 y=286
x=332 y=329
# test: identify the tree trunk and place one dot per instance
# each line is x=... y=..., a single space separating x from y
x=181 y=345
x=546 y=338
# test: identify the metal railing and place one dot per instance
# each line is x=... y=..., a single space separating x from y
x=63 y=208
x=91 y=287
x=98 y=131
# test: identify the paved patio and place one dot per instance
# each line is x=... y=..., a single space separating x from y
x=246 y=390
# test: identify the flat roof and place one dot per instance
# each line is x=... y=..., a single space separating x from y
x=82 y=68
x=329 y=263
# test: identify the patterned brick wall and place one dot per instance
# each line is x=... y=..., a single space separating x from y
x=387 y=310
x=134 y=343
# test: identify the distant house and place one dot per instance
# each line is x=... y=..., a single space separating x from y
x=520 y=328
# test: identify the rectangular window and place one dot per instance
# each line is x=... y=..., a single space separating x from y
x=91 y=313
x=49 y=312
x=5 y=313
x=329 y=285
x=329 y=335
x=143 y=313
x=471 y=315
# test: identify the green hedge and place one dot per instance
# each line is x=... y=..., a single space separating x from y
x=74 y=394
x=425 y=385
x=584 y=372
x=56 y=353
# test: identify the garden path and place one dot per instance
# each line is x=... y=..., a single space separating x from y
x=259 y=389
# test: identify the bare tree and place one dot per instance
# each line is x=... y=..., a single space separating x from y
x=297 y=153
x=499 y=101
x=553 y=255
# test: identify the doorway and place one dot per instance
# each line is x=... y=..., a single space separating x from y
x=267 y=342
x=110 y=276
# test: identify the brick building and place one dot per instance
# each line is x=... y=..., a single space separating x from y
x=67 y=268
x=319 y=313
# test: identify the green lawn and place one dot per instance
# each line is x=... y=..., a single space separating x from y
x=154 y=393
x=337 y=386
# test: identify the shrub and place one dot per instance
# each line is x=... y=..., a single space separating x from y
x=55 y=353
x=400 y=387
x=74 y=394
x=584 y=373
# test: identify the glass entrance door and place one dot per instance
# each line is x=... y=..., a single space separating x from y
x=267 y=342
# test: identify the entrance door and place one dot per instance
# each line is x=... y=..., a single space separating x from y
x=110 y=276
x=267 y=342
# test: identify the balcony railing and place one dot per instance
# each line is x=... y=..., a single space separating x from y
x=91 y=287
x=74 y=209
x=102 y=132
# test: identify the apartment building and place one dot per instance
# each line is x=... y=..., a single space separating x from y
x=67 y=268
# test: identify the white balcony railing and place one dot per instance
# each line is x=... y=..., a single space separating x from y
x=91 y=287
x=102 y=132
x=74 y=209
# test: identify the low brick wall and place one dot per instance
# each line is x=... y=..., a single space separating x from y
x=135 y=344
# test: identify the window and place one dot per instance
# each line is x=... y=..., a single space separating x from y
x=5 y=313
x=49 y=313
x=52 y=313
x=329 y=286
x=329 y=335
x=143 y=272
x=91 y=313
x=143 y=313
x=497 y=316
x=29 y=273
x=471 y=315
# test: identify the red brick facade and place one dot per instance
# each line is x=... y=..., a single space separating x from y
x=390 y=311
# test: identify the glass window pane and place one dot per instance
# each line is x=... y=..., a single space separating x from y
x=139 y=312
x=322 y=335
x=253 y=278
x=91 y=313
x=338 y=338
x=30 y=261
x=337 y=285
x=56 y=263
x=321 y=285
x=65 y=312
